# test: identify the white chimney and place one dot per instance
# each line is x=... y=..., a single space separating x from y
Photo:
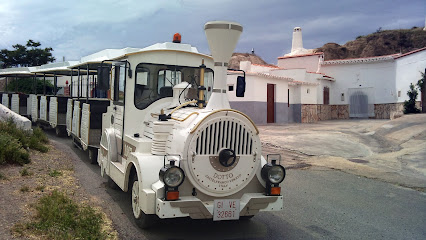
x=424 y=29
x=297 y=39
x=222 y=38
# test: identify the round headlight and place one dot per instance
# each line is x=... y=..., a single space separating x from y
x=273 y=173
x=276 y=174
x=172 y=176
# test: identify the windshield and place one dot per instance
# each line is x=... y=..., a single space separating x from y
x=155 y=81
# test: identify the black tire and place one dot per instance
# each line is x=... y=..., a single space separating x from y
x=112 y=184
x=144 y=221
x=246 y=218
x=93 y=155
x=60 y=131
x=74 y=142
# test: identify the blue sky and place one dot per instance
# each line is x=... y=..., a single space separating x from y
x=80 y=27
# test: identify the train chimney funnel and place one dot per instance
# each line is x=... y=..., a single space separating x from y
x=222 y=37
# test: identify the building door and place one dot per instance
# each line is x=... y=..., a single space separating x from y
x=326 y=96
x=271 y=103
x=358 y=104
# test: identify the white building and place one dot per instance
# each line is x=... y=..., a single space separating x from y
x=305 y=88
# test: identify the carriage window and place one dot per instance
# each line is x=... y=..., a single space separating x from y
x=155 y=81
x=119 y=79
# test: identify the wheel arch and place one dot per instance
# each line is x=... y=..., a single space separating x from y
x=131 y=170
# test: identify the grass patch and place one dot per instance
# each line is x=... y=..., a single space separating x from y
x=14 y=143
x=59 y=217
x=40 y=188
x=24 y=189
x=55 y=173
x=26 y=172
x=2 y=176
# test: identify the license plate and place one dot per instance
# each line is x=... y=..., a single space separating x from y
x=226 y=209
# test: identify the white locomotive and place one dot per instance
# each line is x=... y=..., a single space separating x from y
x=170 y=137
x=166 y=131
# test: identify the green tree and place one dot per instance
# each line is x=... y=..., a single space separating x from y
x=26 y=55
x=421 y=86
x=25 y=85
x=410 y=105
x=421 y=82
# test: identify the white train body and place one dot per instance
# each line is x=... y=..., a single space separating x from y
x=167 y=132
x=216 y=150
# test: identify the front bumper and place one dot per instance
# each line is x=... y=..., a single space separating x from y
x=250 y=204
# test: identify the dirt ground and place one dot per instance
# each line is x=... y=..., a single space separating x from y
x=49 y=171
x=389 y=150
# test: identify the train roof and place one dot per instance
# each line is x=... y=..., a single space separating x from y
x=18 y=71
x=92 y=61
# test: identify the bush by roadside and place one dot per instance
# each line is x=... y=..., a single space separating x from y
x=59 y=217
x=15 y=142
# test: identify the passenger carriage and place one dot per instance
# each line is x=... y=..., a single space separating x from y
x=17 y=102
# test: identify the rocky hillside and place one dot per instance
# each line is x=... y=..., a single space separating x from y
x=382 y=42
x=236 y=58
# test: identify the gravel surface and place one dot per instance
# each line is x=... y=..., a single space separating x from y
x=16 y=205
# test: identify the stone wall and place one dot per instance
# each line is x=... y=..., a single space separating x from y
x=390 y=110
x=317 y=112
x=309 y=113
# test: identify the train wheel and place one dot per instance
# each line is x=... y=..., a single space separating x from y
x=74 y=142
x=93 y=155
x=59 y=131
x=141 y=219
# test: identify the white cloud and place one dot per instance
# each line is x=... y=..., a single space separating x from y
x=79 y=27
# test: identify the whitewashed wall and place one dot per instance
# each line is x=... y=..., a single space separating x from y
x=308 y=94
x=310 y=63
x=295 y=94
x=408 y=70
x=377 y=75
x=256 y=89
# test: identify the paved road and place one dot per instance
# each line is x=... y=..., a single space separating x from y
x=319 y=204
x=391 y=150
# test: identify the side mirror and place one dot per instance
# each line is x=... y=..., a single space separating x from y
x=103 y=77
x=241 y=86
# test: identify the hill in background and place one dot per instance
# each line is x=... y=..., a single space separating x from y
x=236 y=58
x=380 y=43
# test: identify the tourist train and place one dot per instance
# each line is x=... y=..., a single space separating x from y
x=158 y=122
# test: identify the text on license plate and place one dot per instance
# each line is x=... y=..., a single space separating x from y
x=226 y=209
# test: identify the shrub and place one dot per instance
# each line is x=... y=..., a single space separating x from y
x=25 y=188
x=15 y=141
x=26 y=172
x=55 y=173
x=59 y=217
x=2 y=176
x=410 y=105
x=11 y=151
